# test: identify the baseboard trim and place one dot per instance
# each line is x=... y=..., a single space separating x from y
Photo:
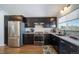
x=2 y=44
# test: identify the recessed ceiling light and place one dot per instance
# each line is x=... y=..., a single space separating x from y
x=51 y=19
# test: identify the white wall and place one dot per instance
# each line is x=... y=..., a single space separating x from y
x=2 y=13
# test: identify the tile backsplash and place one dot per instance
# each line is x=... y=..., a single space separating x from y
x=45 y=29
x=72 y=32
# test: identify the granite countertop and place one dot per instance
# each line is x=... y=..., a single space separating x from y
x=29 y=33
x=67 y=38
x=34 y=33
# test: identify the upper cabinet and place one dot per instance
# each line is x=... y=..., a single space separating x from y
x=14 y=17
x=47 y=22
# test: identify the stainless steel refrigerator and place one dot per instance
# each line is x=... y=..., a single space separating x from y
x=14 y=34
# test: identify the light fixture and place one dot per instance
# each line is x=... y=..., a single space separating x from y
x=41 y=23
x=62 y=11
x=68 y=5
x=65 y=8
x=51 y=19
x=35 y=23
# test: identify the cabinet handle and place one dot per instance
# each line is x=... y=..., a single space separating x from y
x=62 y=42
x=71 y=46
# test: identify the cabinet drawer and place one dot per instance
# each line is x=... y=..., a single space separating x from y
x=64 y=47
x=73 y=48
x=28 y=38
x=68 y=47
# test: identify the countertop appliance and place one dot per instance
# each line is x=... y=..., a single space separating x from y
x=14 y=35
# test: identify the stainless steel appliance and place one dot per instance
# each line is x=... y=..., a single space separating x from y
x=14 y=35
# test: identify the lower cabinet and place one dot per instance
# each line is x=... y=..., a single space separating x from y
x=68 y=48
x=62 y=46
x=55 y=41
x=28 y=38
x=47 y=40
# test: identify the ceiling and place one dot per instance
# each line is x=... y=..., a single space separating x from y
x=33 y=10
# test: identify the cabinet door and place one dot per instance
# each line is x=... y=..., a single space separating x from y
x=68 y=48
x=47 y=40
x=73 y=48
x=55 y=40
x=28 y=38
x=64 y=47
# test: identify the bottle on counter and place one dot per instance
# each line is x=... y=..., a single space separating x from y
x=32 y=30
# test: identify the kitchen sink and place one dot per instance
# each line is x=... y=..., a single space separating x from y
x=74 y=37
x=60 y=35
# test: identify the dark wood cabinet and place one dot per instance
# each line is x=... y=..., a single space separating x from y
x=28 y=38
x=6 y=18
x=62 y=46
x=68 y=48
x=46 y=20
x=55 y=41
x=14 y=17
x=47 y=40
